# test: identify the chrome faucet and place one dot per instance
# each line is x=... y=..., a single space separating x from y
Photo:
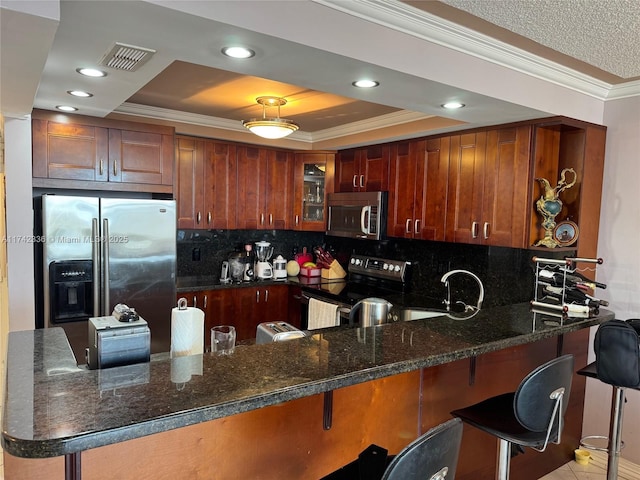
x=447 y=302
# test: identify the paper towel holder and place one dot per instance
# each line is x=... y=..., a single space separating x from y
x=182 y=304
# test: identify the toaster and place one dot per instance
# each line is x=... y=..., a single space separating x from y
x=277 y=332
x=113 y=343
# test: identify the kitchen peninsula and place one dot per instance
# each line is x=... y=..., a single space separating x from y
x=205 y=416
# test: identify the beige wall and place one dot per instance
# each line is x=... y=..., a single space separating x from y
x=618 y=246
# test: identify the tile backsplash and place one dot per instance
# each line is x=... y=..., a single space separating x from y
x=506 y=273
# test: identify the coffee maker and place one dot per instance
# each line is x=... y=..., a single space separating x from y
x=263 y=252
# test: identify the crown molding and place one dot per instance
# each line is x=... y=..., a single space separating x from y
x=383 y=121
x=412 y=21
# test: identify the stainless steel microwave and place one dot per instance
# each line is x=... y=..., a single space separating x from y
x=357 y=215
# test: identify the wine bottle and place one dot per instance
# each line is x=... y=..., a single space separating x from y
x=578 y=277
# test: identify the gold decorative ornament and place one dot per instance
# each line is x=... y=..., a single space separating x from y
x=549 y=206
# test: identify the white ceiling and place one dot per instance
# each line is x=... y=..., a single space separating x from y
x=307 y=51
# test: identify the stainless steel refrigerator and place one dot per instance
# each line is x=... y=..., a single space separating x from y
x=98 y=252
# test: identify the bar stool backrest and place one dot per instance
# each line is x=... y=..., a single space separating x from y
x=617 y=349
x=543 y=396
x=433 y=456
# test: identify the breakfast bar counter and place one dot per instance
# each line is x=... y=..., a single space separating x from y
x=55 y=408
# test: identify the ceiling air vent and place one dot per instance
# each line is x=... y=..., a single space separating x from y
x=126 y=57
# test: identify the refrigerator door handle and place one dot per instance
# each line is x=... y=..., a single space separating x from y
x=105 y=269
x=95 y=260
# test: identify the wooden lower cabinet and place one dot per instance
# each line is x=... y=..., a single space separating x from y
x=287 y=441
x=243 y=307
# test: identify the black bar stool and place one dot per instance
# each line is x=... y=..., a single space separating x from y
x=532 y=416
x=432 y=456
x=617 y=364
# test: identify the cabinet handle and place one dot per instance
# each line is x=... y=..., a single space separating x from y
x=297 y=220
x=416 y=226
x=101 y=166
x=208 y=218
x=474 y=230
x=266 y=296
x=407 y=226
x=262 y=219
x=270 y=219
x=204 y=303
x=361 y=181
x=355 y=185
x=257 y=296
x=195 y=302
x=198 y=218
x=485 y=230
x=115 y=168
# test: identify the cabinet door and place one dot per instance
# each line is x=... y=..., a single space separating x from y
x=313 y=180
x=402 y=190
x=373 y=172
x=347 y=170
x=220 y=173
x=140 y=157
x=363 y=169
x=278 y=191
x=189 y=185
x=70 y=151
x=506 y=211
x=273 y=306
x=432 y=174
x=466 y=177
x=251 y=182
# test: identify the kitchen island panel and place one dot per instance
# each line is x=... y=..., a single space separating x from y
x=285 y=441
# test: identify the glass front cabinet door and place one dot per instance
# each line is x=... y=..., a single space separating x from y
x=314 y=179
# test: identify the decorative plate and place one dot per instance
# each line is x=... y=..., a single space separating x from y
x=566 y=233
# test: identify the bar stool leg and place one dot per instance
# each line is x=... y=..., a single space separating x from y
x=503 y=460
x=615 y=433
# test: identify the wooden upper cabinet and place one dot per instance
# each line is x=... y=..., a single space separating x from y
x=189 y=182
x=140 y=157
x=561 y=143
x=418 y=189
x=220 y=171
x=313 y=179
x=489 y=179
x=265 y=180
x=363 y=169
x=69 y=151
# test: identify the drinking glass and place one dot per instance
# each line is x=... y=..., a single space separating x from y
x=223 y=339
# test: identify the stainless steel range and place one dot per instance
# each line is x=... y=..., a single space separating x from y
x=367 y=277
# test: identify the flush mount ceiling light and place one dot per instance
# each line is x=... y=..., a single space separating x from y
x=80 y=93
x=66 y=108
x=365 y=83
x=270 y=127
x=91 y=72
x=238 y=52
x=452 y=105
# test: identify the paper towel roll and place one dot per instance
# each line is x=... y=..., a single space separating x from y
x=187 y=330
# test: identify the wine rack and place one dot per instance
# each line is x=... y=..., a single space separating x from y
x=561 y=289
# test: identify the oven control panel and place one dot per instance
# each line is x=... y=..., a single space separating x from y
x=379 y=267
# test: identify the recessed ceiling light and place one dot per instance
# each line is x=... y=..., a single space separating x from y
x=365 y=83
x=452 y=105
x=66 y=108
x=79 y=93
x=238 y=52
x=91 y=72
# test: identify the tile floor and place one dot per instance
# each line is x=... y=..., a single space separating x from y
x=595 y=470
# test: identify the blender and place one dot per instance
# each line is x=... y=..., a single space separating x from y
x=263 y=252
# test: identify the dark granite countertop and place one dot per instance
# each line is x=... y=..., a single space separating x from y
x=53 y=407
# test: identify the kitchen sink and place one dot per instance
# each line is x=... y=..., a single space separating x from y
x=408 y=314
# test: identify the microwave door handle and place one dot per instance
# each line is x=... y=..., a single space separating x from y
x=365 y=221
